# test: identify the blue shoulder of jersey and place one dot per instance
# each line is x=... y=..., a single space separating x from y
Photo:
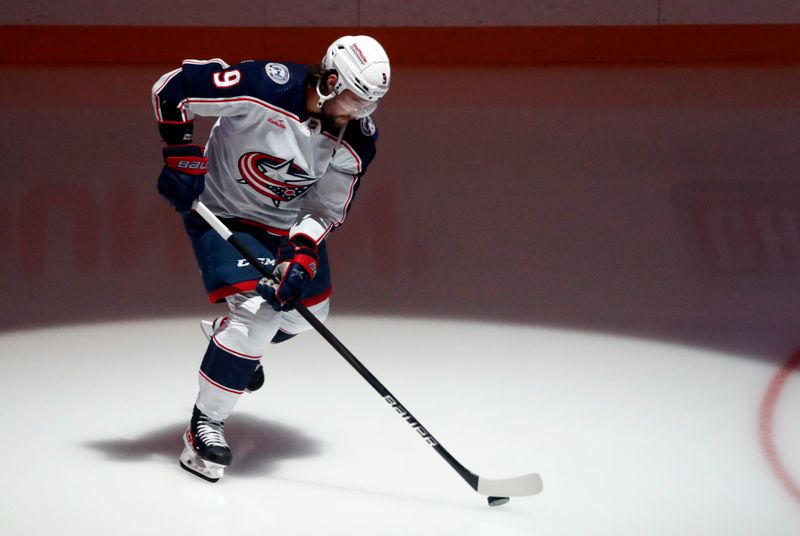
x=278 y=83
x=361 y=135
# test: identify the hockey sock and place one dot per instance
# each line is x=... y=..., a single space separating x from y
x=224 y=374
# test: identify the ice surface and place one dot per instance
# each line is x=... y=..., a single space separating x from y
x=630 y=436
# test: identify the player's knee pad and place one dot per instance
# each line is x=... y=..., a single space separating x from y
x=292 y=323
x=250 y=326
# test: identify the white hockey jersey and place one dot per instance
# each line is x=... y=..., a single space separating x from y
x=269 y=161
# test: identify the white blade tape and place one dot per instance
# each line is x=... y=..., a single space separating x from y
x=520 y=486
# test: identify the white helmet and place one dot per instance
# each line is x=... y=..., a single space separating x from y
x=362 y=66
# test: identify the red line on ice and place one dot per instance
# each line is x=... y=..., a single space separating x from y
x=766 y=428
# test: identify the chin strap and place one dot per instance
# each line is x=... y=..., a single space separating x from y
x=323 y=98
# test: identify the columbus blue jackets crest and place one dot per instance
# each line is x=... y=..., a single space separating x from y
x=279 y=180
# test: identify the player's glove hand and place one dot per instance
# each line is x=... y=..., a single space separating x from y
x=184 y=175
x=296 y=265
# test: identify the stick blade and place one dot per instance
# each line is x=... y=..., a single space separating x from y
x=520 y=486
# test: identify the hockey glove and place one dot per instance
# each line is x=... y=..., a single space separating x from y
x=184 y=175
x=296 y=265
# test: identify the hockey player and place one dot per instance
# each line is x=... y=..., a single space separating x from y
x=281 y=168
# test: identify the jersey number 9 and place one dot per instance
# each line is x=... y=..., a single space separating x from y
x=227 y=78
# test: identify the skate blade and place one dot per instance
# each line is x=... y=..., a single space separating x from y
x=197 y=466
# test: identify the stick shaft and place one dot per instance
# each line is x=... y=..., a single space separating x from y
x=228 y=236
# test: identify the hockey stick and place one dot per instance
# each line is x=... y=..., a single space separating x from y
x=498 y=490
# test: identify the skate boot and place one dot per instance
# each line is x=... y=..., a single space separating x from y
x=209 y=327
x=205 y=451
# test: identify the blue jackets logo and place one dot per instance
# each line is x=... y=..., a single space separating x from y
x=277 y=72
x=275 y=178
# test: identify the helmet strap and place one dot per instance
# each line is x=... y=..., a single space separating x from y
x=323 y=98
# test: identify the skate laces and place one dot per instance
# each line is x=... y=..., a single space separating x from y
x=211 y=432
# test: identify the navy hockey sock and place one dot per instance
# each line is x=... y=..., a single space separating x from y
x=226 y=369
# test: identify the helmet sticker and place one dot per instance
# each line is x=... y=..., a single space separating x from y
x=358 y=53
x=277 y=72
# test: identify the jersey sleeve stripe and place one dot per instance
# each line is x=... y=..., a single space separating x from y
x=349 y=149
x=227 y=100
x=206 y=62
x=325 y=233
x=355 y=155
x=160 y=84
x=346 y=207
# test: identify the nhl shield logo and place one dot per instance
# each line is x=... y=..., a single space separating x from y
x=275 y=178
x=367 y=126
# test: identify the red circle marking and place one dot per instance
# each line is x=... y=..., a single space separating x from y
x=765 y=424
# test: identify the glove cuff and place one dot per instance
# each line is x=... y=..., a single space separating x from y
x=187 y=159
x=176 y=132
x=188 y=149
x=308 y=262
x=302 y=250
x=303 y=240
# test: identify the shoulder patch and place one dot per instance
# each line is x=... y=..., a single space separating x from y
x=367 y=126
x=277 y=72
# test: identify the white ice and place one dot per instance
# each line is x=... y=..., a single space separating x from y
x=630 y=436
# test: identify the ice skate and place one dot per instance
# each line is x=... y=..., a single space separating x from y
x=205 y=452
x=209 y=327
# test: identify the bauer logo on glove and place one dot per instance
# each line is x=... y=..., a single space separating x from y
x=190 y=165
x=182 y=179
